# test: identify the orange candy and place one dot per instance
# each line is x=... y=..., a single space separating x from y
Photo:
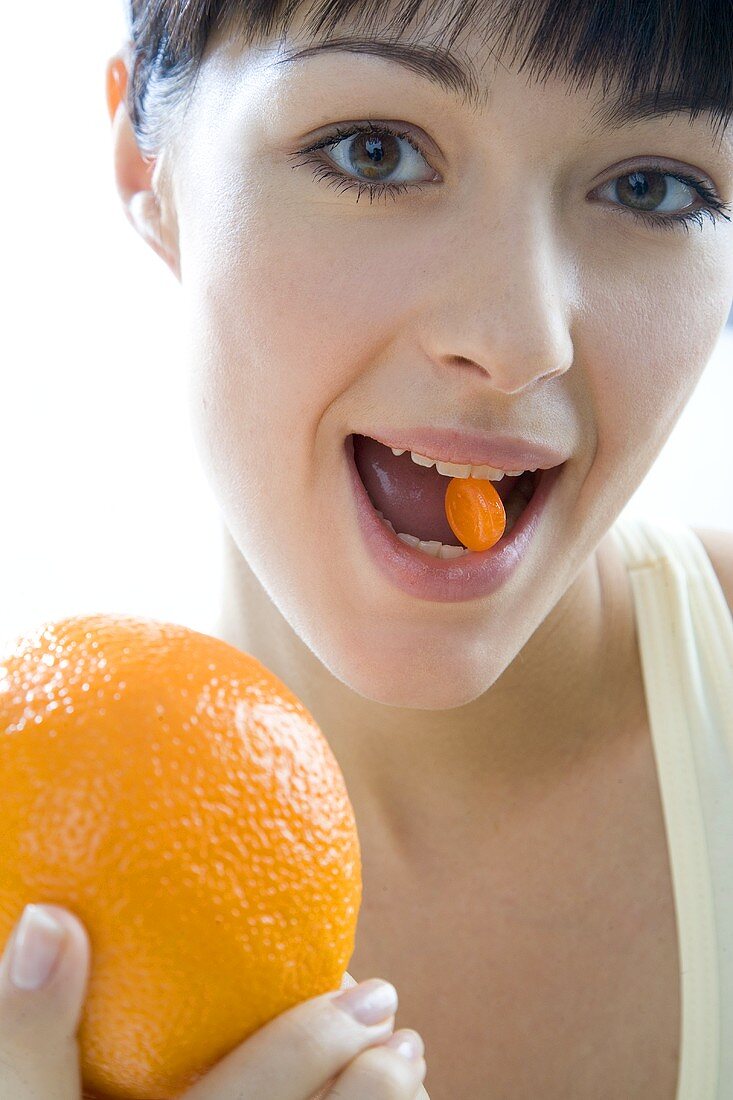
x=475 y=512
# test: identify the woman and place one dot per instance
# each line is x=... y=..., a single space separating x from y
x=412 y=233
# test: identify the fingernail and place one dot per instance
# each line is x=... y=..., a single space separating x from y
x=36 y=947
x=407 y=1043
x=369 y=1003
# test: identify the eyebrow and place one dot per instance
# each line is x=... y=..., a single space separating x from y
x=436 y=63
x=458 y=77
x=615 y=112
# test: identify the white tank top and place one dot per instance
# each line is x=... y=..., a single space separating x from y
x=685 y=632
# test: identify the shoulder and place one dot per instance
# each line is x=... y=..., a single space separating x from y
x=719 y=547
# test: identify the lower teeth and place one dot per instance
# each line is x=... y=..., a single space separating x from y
x=514 y=507
x=435 y=549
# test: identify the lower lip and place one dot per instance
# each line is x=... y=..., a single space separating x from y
x=447 y=579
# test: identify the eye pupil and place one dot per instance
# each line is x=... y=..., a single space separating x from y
x=367 y=153
x=374 y=147
x=639 y=180
x=640 y=189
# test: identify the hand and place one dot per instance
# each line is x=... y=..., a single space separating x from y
x=299 y=1055
x=316 y=1046
x=39 y=1055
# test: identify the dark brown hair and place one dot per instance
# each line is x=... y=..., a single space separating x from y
x=679 y=52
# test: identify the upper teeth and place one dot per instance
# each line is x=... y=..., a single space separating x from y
x=454 y=469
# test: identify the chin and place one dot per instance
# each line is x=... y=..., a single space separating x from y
x=414 y=681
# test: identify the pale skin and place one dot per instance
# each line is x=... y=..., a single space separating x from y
x=499 y=295
x=618 y=321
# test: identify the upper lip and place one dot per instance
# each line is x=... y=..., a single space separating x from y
x=503 y=452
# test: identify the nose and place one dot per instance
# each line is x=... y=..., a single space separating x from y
x=507 y=317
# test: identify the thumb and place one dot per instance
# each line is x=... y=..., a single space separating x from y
x=43 y=977
x=346 y=983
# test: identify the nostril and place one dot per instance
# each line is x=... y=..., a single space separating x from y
x=470 y=365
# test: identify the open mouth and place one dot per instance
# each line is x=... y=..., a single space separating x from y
x=410 y=498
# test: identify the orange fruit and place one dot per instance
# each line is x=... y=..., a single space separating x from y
x=172 y=792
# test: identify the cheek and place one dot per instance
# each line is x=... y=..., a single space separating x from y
x=280 y=329
x=290 y=301
x=645 y=339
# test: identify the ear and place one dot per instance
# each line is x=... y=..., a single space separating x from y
x=134 y=171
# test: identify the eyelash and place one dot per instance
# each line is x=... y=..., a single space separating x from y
x=714 y=206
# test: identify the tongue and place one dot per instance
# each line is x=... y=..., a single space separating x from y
x=411 y=497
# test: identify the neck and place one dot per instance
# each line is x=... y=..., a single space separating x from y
x=556 y=704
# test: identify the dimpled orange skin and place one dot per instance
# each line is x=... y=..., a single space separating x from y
x=180 y=800
x=475 y=512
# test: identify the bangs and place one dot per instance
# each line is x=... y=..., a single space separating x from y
x=656 y=56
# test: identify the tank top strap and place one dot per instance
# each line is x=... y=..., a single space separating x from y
x=685 y=633
x=689 y=593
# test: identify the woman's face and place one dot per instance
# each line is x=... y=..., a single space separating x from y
x=505 y=294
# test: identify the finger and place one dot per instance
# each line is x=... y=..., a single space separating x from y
x=39 y=1054
x=297 y=1053
x=383 y=1073
x=347 y=982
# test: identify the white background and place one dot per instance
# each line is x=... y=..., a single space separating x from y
x=104 y=505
